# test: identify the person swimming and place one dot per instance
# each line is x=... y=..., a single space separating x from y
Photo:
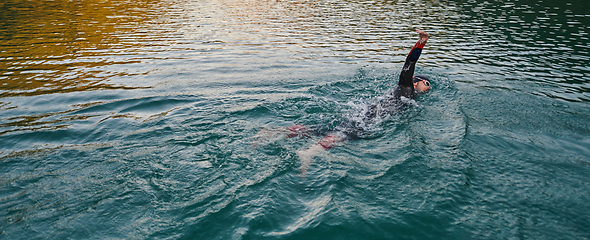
x=408 y=87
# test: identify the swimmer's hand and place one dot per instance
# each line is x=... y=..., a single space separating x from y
x=423 y=35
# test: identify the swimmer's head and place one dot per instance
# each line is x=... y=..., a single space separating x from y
x=421 y=83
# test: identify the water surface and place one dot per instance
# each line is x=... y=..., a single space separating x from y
x=138 y=119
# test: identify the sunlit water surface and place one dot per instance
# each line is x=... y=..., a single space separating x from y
x=139 y=120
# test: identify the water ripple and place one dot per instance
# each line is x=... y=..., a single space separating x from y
x=139 y=119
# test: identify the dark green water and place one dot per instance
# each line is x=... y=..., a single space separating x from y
x=138 y=120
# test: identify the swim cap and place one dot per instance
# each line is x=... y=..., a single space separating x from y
x=419 y=78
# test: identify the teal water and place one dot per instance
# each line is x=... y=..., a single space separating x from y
x=139 y=120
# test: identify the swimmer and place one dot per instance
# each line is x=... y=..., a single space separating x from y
x=408 y=87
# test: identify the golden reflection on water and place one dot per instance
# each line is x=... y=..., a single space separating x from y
x=71 y=45
x=63 y=46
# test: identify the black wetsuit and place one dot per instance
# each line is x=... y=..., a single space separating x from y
x=392 y=101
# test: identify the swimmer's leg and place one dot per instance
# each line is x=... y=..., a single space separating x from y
x=326 y=143
x=297 y=130
x=267 y=135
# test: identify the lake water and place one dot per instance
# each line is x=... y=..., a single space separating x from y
x=139 y=119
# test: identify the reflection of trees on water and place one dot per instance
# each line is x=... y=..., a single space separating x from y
x=71 y=46
x=64 y=46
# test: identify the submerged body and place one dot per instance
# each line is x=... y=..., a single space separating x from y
x=408 y=87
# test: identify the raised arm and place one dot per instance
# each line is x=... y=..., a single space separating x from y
x=405 y=78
